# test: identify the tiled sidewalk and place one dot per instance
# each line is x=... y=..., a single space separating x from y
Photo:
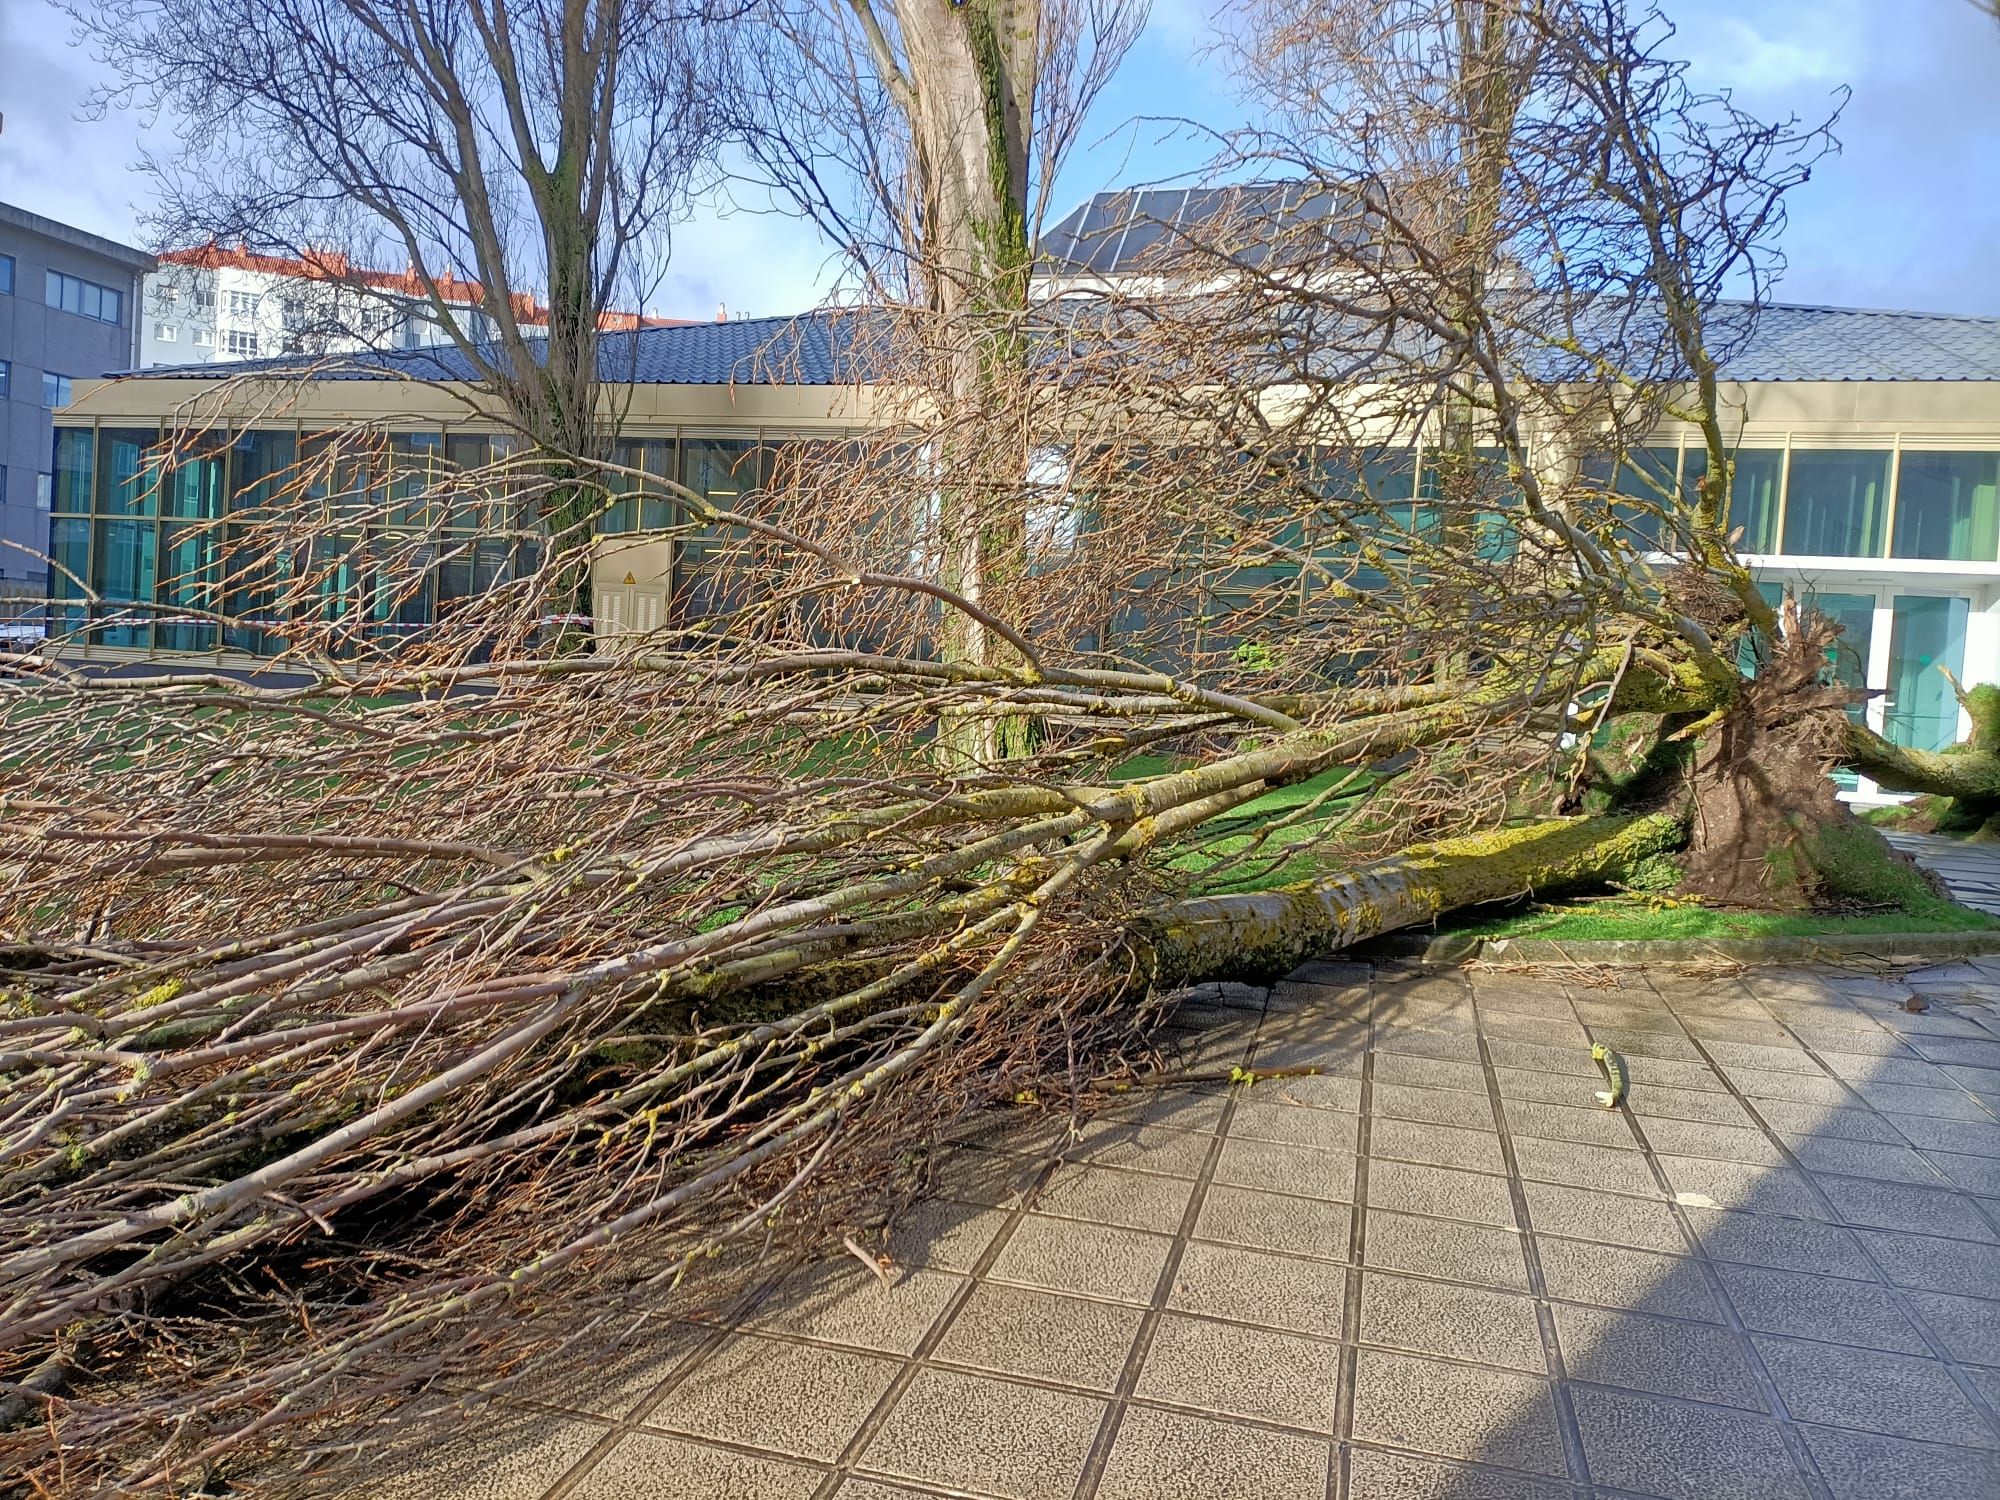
x=1971 y=871
x=1434 y=1270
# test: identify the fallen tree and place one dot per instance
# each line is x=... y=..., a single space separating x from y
x=371 y=1035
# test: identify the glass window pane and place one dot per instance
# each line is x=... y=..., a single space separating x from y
x=188 y=583
x=1753 y=496
x=1834 y=503
x=1926 y=639
x=127 y=475
x=194 y=486
x=1946 y=506
x=124 y=569
x=262 y=465
x=75 y=470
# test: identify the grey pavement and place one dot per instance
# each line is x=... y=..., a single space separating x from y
x=1970 y=871
x=1433 y=1270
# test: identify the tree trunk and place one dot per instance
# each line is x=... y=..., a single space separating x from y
x=1263 y=934
x=1968 y=775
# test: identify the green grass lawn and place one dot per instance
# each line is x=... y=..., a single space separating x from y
x=1623 y=917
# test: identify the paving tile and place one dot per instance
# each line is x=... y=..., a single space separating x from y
x=1377 y=1474
x=1197 y=1108
x=1663 y=1103
x=1600 y=1167
x=840 y=1303
x=1271 y=1221
x=650 y=1466
x=1577 y=1213
x=1683 y=1452
x=1800 y=1088
x=1967 y=1137
x=1964 y=1052
x=1763 y=1057
x=1861 y=1159
x=1457 y=1411
x=966 y=1431
x=1978 y=1174
x=871 y=1489
x=1653 y=1046
x=1339 y=971
x=1317 y=1090
x=1969 y=1326
x=1230 y=1371
x=1428 y=1073
x=1091 y=1260
x=1445 y=1247
x=1517 y=999
x=1109 y=1195
x=1789 y=1117
x=1271 y=1119
x=1574 y=1061
x=1305 y=1042
x=1926 y=1264
x=1821 y=1307
x=1459 y=1322
x=1896 y=1205
x=1619 y=1277
x=753 y=1391
x=1985 y=1082
x=1531 y=1086
x=1663 y=1356
x=1141 y=1148
x=1435 y=1106
x=1892 y=1394
x=1937 y=1103
x=1548 y=1031
x=990 y=1179
x=1716 y=1142
x=942 y=1235
x=1729 y=1184
x=1160 y=1453
x=1862 y=1067
x=512 y=1455
x=1848 y=1040
x=1658 y=1072
x=1446 y=1036
x=1019 y=1331
x=1247 y=1286
x=1862 y=1466
x=1782 y=1244
x=1441 y=1192
x=1550 y=1122
x=1437 y=1145
x=1302 y=1171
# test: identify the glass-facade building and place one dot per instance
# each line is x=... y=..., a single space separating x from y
x=1867 y=481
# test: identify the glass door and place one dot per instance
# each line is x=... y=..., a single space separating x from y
x=1926 y=639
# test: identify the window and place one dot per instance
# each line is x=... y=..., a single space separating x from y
x=6 y=378
x=45 y=491
x=1834 y=503
x=203 y=298
x=55 y=389
x=1948 y=506
x=72 y=294
x=167 y=333
x=239 y=341
x=242 y=305
x=204 y=338
x=7 y=274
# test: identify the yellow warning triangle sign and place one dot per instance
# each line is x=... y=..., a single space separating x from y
x=629 y=580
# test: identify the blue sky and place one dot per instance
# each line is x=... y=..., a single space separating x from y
x=1908 y=216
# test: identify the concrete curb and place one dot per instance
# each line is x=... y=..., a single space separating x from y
x=1887 y=948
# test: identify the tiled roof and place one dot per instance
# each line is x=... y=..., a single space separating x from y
x=1789 y=343
x=817 y=348
x=1847 y=343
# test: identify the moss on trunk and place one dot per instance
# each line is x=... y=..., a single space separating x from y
x=1267 y=933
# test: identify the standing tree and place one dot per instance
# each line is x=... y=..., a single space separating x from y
x=937 y=132
x=526 y=162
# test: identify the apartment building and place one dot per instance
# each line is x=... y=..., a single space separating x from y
x=68 y=311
